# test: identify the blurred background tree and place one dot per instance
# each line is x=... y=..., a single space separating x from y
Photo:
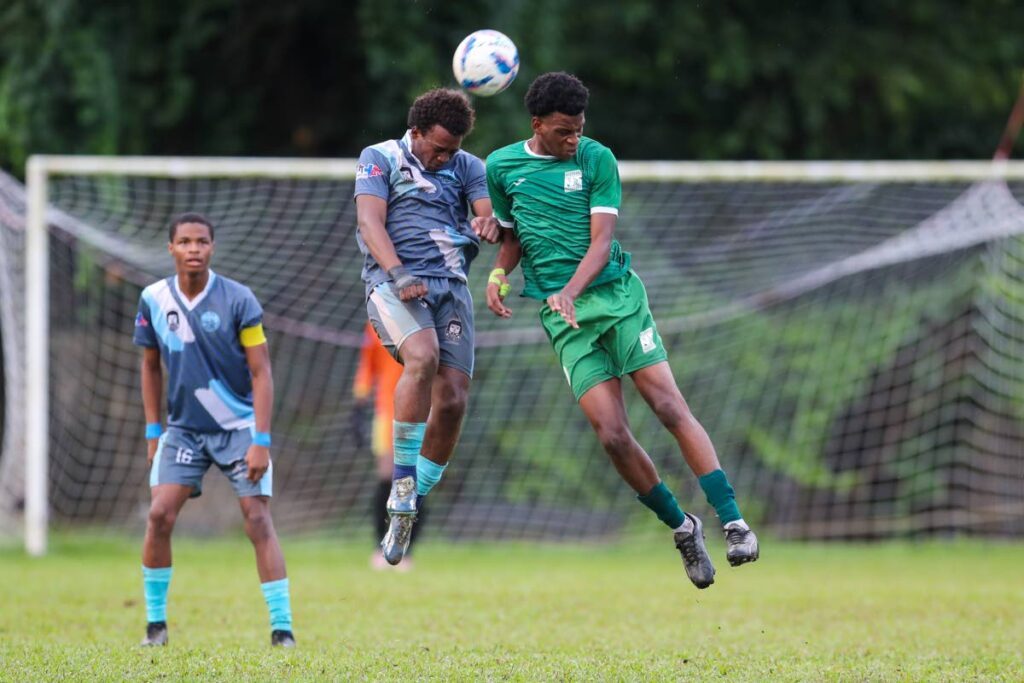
x=831 y=79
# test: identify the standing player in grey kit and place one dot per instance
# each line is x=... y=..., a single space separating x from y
x=208 y=331
x=418 y=240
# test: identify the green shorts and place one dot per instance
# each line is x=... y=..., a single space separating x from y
x=617 y=334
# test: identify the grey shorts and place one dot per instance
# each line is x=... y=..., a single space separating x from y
x=447 y=309
x=182 y=457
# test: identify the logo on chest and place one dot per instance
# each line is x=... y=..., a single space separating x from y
x=210 y=321
x=573 y=181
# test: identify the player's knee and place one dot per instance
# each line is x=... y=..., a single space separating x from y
x=451 y=402
x=161 y=519
x=674 y=414
x=616 y=440
x=258 y=524
x=420 y=359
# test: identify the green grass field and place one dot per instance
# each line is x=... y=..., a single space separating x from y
x=936 y=611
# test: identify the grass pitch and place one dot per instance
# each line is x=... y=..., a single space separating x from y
x=935 y=611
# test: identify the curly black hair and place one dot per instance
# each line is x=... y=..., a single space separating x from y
x=189 y=217
x=556 y=91
x=447 y=108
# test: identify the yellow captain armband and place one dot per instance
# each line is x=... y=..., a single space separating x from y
x=495 y=279
x=253 y=336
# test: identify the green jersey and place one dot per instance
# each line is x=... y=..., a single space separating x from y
x=549 y=201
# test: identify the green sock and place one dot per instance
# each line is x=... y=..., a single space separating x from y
x=661 y=501
x=720 y=496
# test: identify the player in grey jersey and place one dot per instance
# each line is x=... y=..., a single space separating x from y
x=418 y=240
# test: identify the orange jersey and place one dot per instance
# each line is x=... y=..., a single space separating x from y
x=377 y=374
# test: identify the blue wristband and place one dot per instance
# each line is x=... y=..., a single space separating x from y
x=261 y=439
x=153 y=430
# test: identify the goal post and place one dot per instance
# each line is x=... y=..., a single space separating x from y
x=724 y=289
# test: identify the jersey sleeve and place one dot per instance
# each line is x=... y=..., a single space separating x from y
x=605 y=186
x=372 y=174
x=476 y=179
x=144 y=334
x=250 y=320
x=499 y=200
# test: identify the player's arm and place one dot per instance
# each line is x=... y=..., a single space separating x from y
x=152 y=393
x=371 y=217
x=257 y=356
x=509 y=254
x=602 y=228
x=484 y=224
x=510 y=251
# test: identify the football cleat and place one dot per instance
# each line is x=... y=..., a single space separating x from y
x=401 y=506
x=282 y=639
x=690 y=545
x=156 y=634
x=396 y=540
x=741 y=544
x=402 y=500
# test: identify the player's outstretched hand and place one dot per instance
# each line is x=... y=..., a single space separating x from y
x=151 y=445
x=257 y=460
x=564 y=304
x=497 y=290
x=407 y=285
x=487 y=228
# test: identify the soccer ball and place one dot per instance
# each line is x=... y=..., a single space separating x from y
x=486 y=62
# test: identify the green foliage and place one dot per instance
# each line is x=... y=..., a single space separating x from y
x=911 y=79
x=523 y=613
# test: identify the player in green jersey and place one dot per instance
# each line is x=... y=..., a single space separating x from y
x=558 y=195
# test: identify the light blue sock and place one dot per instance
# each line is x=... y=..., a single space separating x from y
x=428 y=473
x=279 y=604
x=155 y=582
x=408 y=438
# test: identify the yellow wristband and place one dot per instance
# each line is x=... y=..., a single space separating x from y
x=495 y=274
x=495 y=279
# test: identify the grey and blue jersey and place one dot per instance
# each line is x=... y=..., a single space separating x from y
x=209 y=386
x=428 y=211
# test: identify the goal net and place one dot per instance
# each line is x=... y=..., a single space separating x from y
x=851 y=335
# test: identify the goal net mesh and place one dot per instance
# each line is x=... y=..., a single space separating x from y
x=854 y=349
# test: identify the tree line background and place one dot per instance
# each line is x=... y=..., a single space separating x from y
x=725 y=79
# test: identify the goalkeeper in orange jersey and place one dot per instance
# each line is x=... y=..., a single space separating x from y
x=375 y=380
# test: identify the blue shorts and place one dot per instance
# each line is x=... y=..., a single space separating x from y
x=447 y=309
x=182 y=457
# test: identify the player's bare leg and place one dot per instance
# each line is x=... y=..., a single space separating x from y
x=658 y=387
x=605 y=409
x=259 y=527
x=448 y=398
x=167 y=501
x=419 y=354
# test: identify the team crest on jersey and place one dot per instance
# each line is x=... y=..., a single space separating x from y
x=647 y=340
x=140 y=321
x=453 y=331
x=210 y=321
x=573 y=181
x=364 y=171
x=173 y=321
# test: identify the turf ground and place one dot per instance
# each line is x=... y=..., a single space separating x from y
x=937 y=611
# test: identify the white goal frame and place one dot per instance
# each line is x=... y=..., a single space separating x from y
x=43 y=167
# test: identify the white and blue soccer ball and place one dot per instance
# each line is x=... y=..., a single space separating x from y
x=486 y=62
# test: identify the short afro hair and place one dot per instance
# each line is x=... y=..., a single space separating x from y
x=556 y=91
x=188 y=217
x=447 y=108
